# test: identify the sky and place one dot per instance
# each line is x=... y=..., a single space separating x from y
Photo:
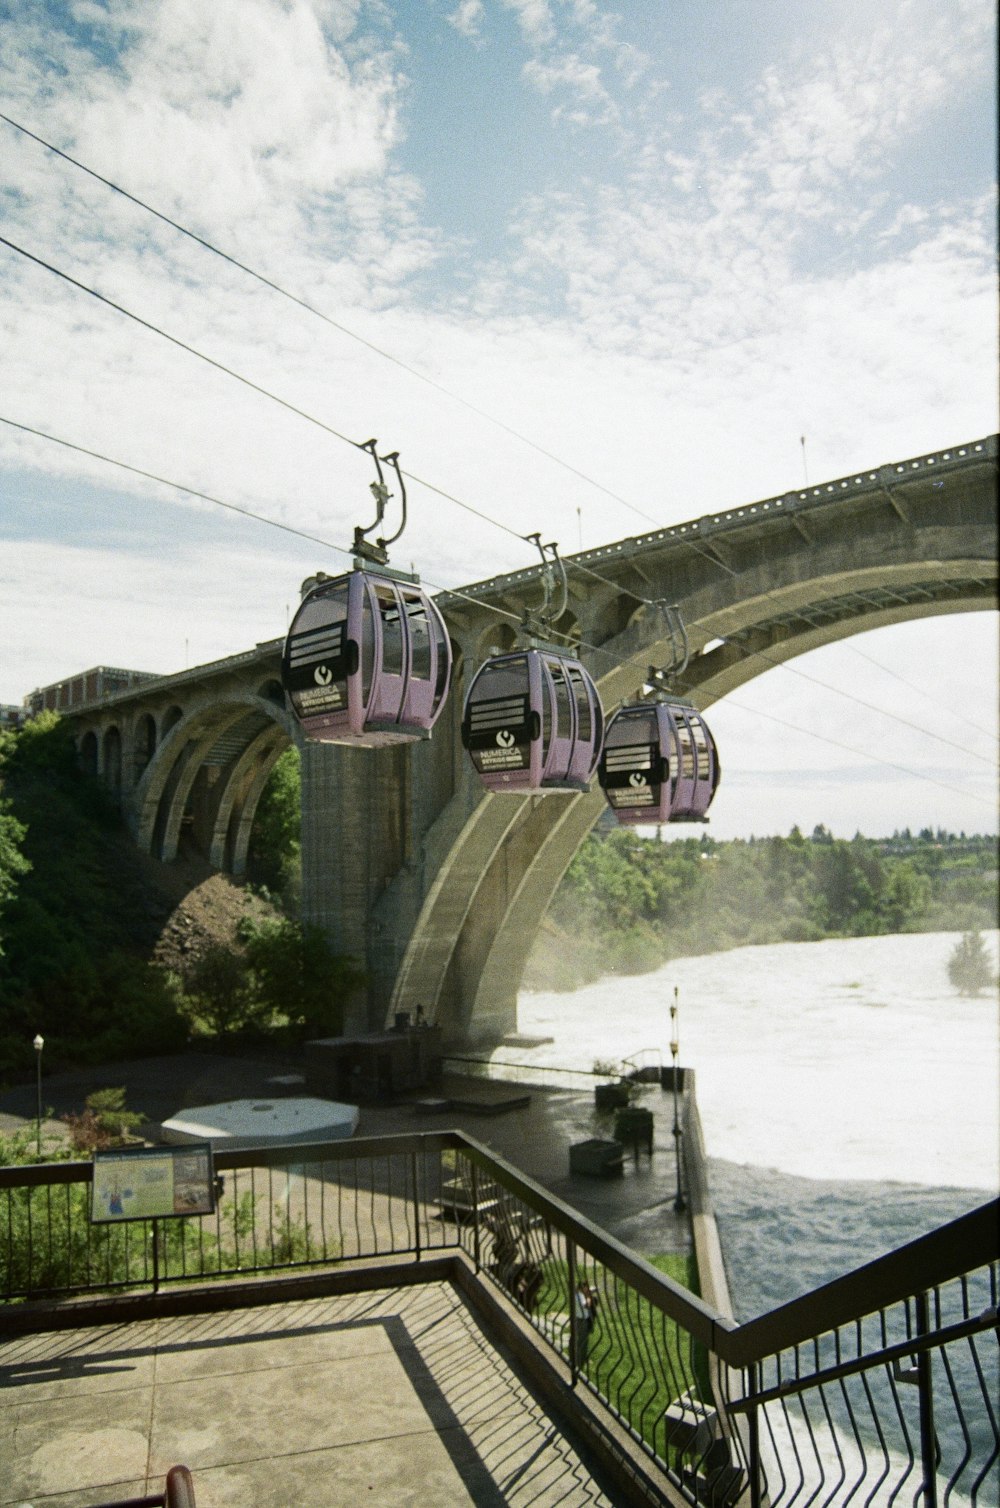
x=587 y=268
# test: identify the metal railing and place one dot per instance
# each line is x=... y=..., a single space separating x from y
x=879 y=1388
x=277 y=1208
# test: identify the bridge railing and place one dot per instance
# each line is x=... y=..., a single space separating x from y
x=879 y=1388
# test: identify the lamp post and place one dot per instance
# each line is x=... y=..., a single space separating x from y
x=679 y=1203
x=38 y=1044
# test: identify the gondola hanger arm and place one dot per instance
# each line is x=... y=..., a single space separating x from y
x=657 y=685
x=377 y=552
x=538 y=623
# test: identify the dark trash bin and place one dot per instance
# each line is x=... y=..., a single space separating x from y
x=596 y=1158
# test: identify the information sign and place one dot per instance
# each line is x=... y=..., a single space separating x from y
x=150 y=1183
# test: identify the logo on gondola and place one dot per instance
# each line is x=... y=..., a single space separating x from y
x=322 y=675
x=637 y=778
x=506 y=739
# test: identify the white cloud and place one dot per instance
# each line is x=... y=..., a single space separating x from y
x=467 y=18
x=534 y=19
x=581 y=80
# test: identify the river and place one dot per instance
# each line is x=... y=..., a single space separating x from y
x=850 y=1097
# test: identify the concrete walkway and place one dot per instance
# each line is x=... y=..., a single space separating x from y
x=387 y=1399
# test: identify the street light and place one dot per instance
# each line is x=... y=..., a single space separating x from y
x=38 y=1044
x=678 y=1133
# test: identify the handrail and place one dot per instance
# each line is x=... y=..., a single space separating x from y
x=178 y=1492
x=708 y=1399
x=703 y=1322
x=971 y=1241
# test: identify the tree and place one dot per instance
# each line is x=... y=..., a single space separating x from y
x=296 y=974
x=104 y=1122
x=219 y=985
x=905 y=898
x=13 y=864
x=970 y=967
x=275 y=842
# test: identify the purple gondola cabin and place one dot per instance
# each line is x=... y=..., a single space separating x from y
x=367 y=661
x=533 y=722
x=660 y=764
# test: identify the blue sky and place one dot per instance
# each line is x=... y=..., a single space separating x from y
x=661 y=240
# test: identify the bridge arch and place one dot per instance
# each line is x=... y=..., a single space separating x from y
x=87 y=752
x=746 y=610
x=528 y=889
x=111 y=758
x=435 y=887
x=143 y=744
x=170 y=718
x=208 y=772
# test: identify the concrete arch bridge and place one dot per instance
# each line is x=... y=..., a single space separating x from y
x=436 y=886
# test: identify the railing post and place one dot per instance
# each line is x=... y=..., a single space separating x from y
x=574 y=1369
x=753 y=1440
x=925 y=1384
x=475 y=1216
x=416 y=1201
x=156 y=1256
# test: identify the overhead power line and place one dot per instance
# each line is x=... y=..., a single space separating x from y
x=476 y=601
x=302 y=303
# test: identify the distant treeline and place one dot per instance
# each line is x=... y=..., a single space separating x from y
x=628 y=904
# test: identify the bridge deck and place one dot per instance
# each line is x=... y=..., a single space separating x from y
x=379 y=1398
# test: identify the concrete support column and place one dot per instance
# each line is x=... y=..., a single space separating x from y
x=353 y=842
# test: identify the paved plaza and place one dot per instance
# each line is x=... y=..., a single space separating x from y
x=382 y=1398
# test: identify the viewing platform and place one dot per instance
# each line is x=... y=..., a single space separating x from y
x=411 y=1317
x=384 y=1398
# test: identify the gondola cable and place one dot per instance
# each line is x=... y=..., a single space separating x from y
x=239 y=377
x=866 y=755
x=860 y=701
x=511 y=617
x=912 y=686
x=327 y=319
x=282 y=402
x=318 y=313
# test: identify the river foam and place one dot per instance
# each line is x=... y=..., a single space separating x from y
x=848 y=1059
